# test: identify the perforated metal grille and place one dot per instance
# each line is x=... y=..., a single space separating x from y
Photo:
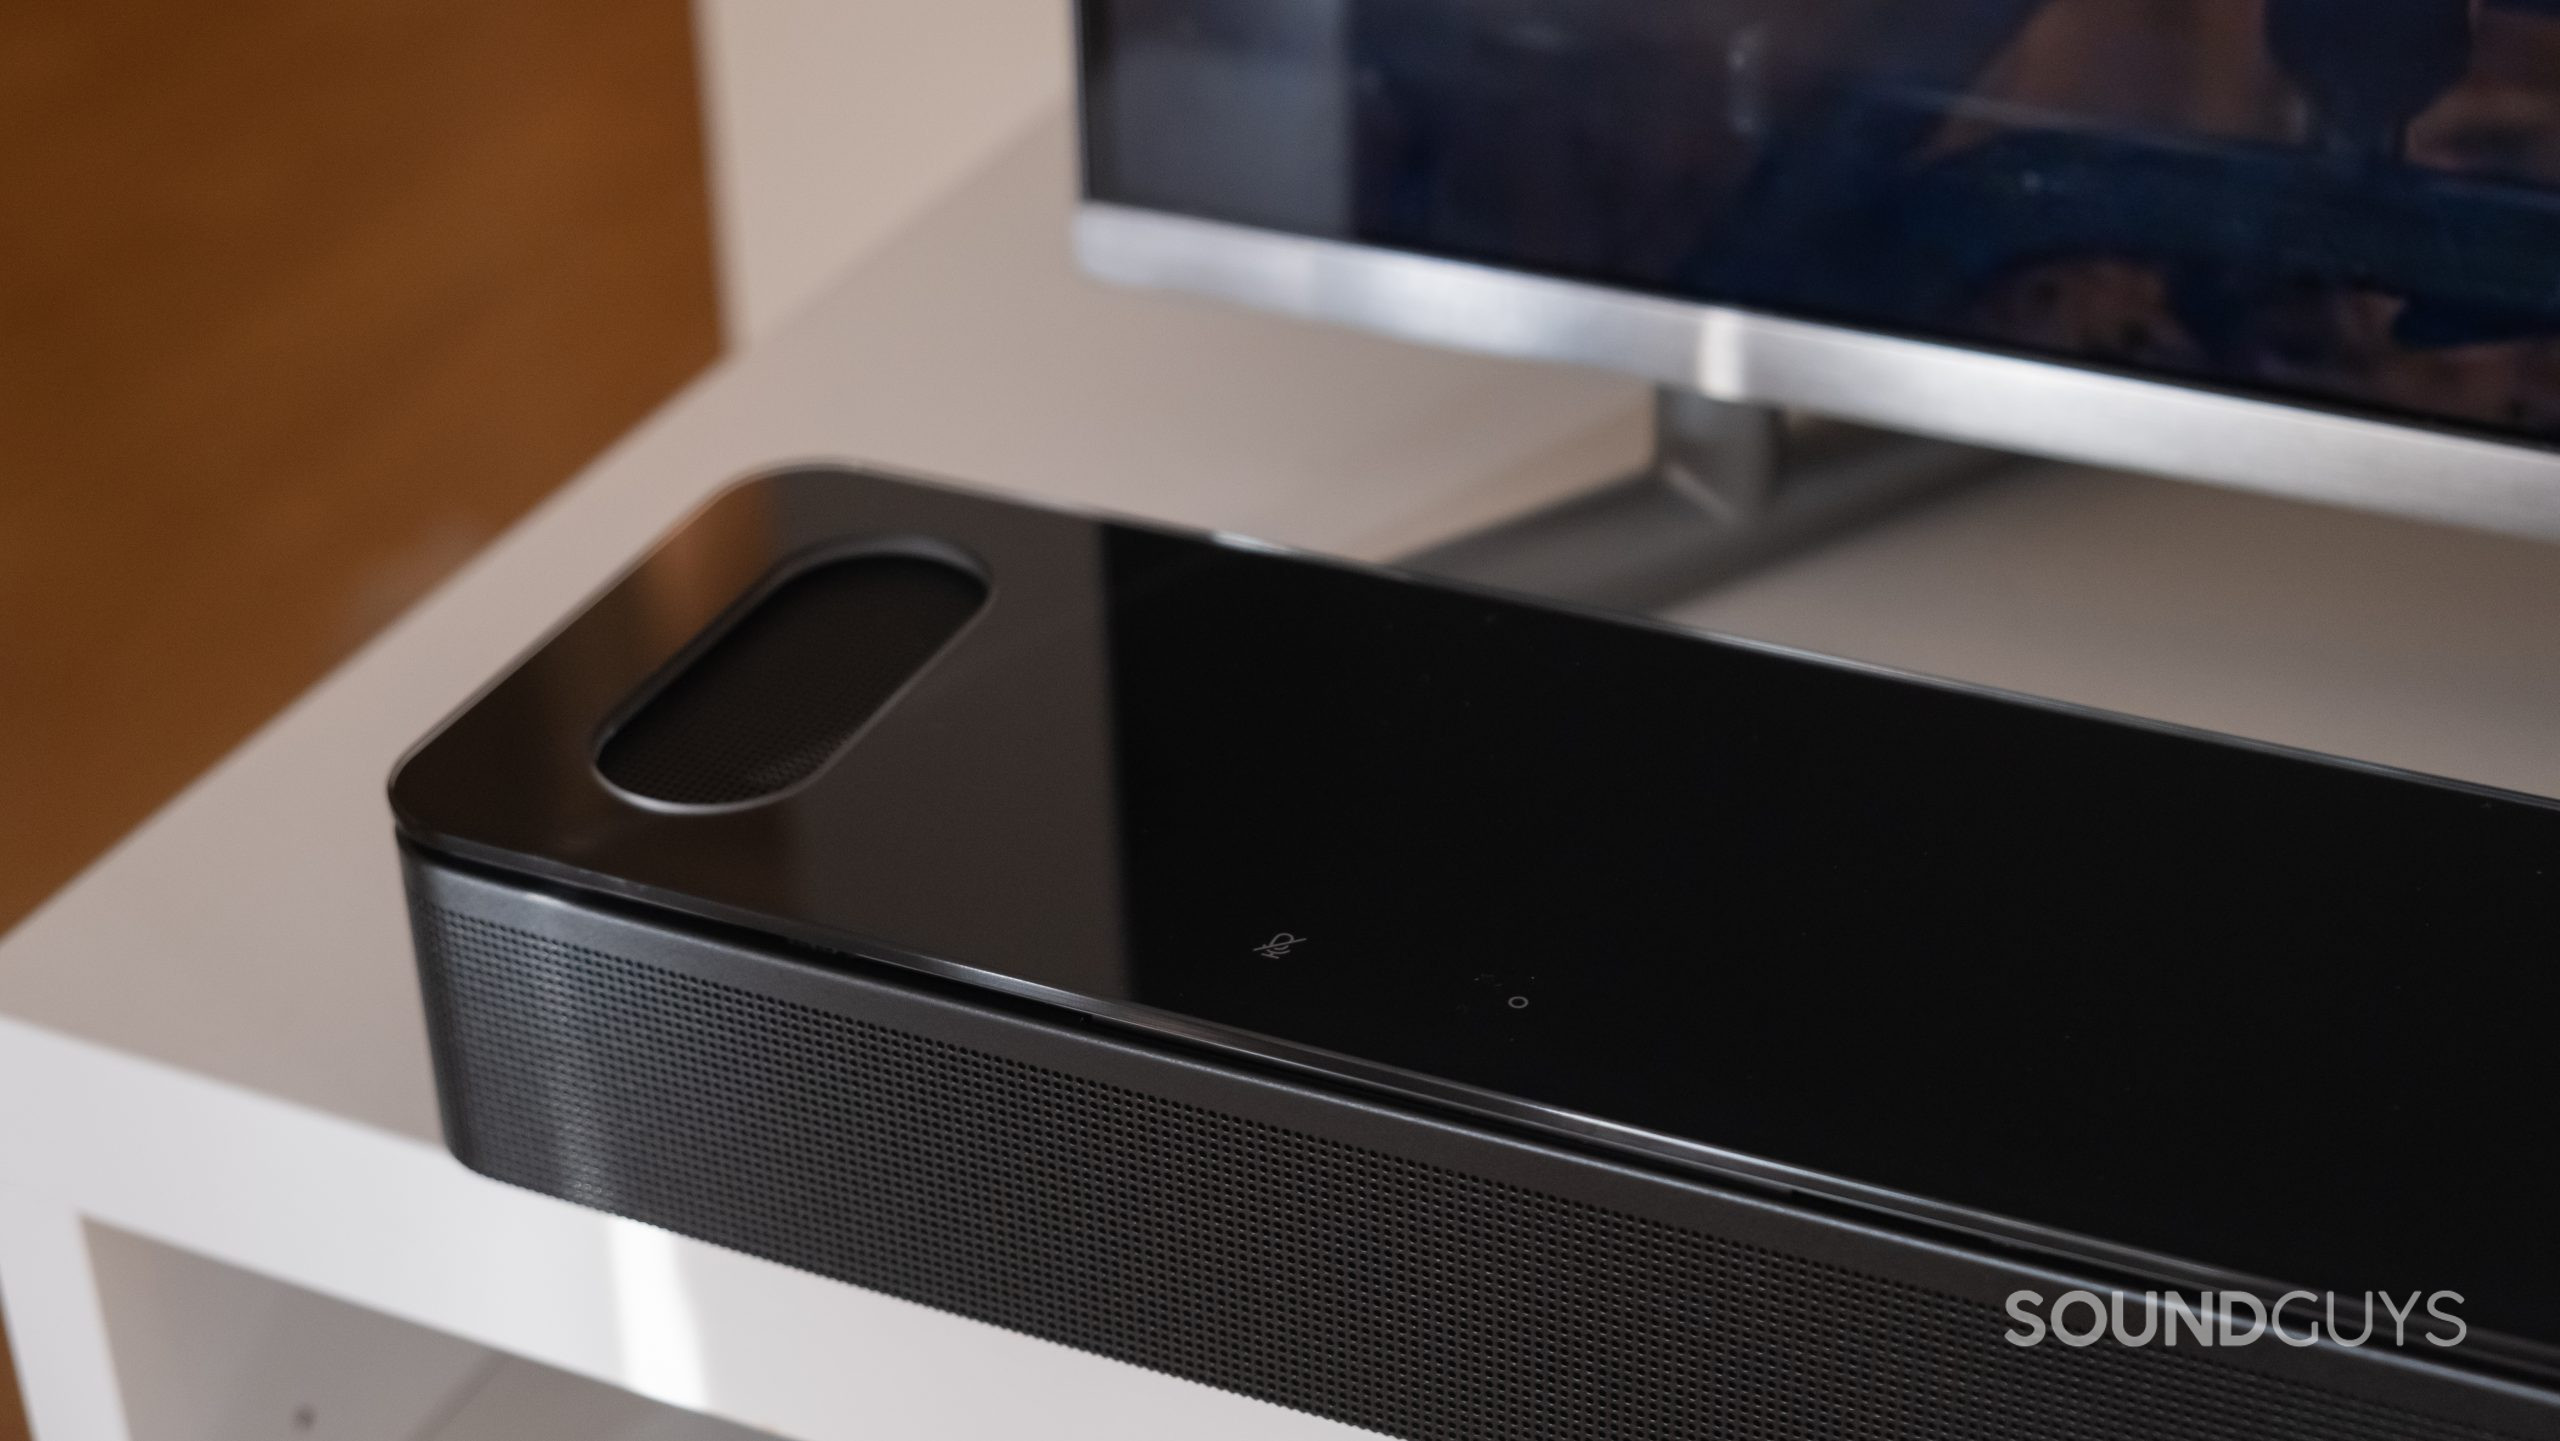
x=777 y=694
x=1345 y=1281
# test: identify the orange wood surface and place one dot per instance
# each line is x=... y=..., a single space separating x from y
x=300 y=301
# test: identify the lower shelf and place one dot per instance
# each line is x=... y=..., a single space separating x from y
x=209 y=1352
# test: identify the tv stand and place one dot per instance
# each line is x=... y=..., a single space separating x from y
x=1729 y=488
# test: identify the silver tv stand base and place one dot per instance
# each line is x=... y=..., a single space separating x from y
x=1730 y=488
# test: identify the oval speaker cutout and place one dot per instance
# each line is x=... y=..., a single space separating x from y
x=781 y=688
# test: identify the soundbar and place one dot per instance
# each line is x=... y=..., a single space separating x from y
x=1464 y=1017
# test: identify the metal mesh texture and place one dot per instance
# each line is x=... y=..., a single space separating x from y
x=1341 y=1280
x=768 y=702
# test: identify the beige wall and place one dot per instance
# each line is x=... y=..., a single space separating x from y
x=831 y=121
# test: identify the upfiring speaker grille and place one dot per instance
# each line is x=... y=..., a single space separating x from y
x=1342 y=1280
x=772 y=698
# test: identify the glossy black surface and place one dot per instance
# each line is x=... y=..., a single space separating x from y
x=2348 y=201
x=2053 y=976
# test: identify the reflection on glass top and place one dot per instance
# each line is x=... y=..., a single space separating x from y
x=2346 y=201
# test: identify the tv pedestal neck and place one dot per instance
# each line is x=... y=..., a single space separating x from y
x=1729 y=488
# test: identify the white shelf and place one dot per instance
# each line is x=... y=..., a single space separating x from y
x=233 y=1356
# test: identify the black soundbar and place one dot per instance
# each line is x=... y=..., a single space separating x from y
x=1460 y=1017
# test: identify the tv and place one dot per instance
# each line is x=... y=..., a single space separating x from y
x=2309 y=247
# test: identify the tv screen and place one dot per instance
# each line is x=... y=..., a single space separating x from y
x=2348 y=203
